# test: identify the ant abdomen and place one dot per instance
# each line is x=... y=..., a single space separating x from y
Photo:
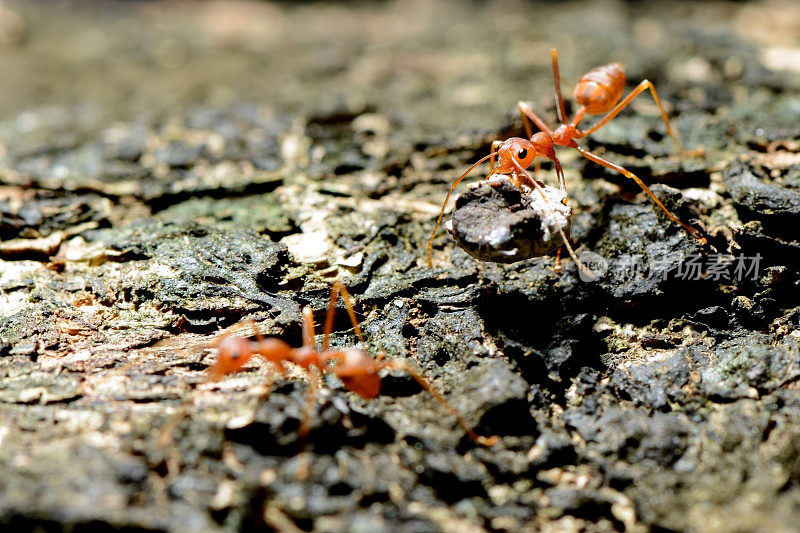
x=601 y=88
x=359 y=373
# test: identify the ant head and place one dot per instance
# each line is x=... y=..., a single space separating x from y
x=515 y=149
x=234 y=353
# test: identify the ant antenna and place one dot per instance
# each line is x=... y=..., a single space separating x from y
x=444 y=205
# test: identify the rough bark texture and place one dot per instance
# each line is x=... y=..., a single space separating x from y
x=169 y=169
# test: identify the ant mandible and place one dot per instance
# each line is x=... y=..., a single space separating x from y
x=357 y=370
x=597 y=92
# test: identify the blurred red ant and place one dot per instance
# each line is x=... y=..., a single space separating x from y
x=357 y=370
x=597 y=92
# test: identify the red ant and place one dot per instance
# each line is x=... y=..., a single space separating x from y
x=597 y=92
x=357 y=370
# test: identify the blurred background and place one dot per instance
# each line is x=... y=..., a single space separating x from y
x=464 y=64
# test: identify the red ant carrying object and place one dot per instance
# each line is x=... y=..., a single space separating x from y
x=597 y=92
x=357 y=370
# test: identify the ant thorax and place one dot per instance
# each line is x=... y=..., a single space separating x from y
x=497 y=220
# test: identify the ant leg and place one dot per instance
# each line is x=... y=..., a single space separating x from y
x=527 y=113
x=529 y=116
x=562 y=182
x=423 y=381
x=329 y=314
x=308 y=327
x=308 y=409
x=562 y=113
x=643 y=86
x=348 y=303
x=628 y=174
x=336 y=289
x=586 y=272
x=558 y=260
x=305 y=423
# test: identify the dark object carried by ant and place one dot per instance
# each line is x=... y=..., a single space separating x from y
x=357 y=370
x=597 y=92
x=498 y=221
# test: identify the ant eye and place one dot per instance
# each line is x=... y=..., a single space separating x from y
x=522 y=153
